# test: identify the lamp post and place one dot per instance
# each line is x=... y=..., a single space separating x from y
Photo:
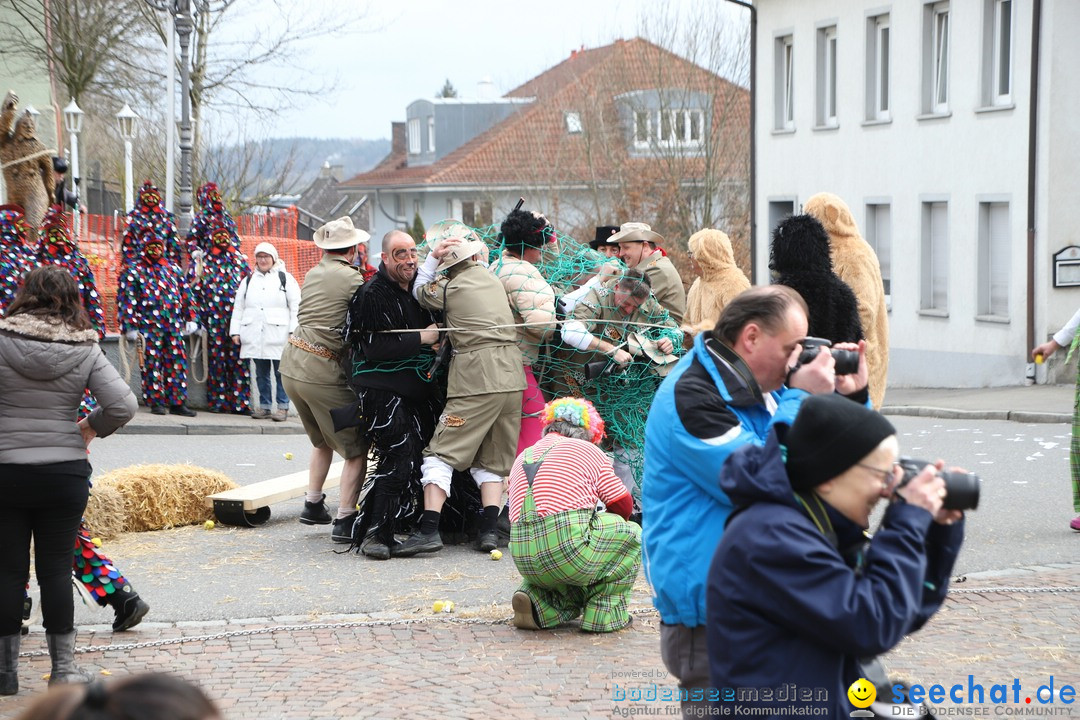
x=181 y=12
x=73 y=123
x=128 y=123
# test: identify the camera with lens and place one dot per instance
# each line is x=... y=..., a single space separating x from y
x=847 y=361
x=606 y=368
x=961 y=488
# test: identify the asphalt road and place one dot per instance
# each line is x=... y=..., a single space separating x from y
x=287 y=569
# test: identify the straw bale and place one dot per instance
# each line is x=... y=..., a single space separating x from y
x=165 y=496
x=106 y=512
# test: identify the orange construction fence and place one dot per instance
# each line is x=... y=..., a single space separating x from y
x=100 y=238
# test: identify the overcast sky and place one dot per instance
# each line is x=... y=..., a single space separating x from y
x=418 y=44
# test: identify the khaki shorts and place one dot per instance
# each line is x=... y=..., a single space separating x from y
x=478 y=431
x=313 y=404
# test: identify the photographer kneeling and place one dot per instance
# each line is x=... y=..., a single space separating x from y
x=796 y=595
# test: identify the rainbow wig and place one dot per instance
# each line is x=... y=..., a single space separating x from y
x=576 y=411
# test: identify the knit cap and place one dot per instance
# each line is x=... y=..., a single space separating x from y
x=830 y=434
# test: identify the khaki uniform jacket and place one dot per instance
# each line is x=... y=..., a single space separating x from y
x=324 y=304
x=531 y=300
x=487 y=361
x=597 y=312
x=667 y=285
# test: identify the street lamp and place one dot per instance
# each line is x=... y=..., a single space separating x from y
x=73 y=123
x=181 y=12
x=128 y=122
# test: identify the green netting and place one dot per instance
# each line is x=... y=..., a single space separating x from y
x=622 y=395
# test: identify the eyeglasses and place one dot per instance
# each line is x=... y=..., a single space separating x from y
x=402 y=253
x=886 y=475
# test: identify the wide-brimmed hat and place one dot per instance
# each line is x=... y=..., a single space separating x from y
x=471 y=244
x=635 y=232
x=339 y=234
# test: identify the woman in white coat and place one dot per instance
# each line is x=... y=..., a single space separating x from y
x=263 y=317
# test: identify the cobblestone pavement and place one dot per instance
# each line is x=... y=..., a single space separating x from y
x=457 y=666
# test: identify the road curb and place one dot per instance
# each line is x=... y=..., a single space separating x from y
x=1020 y=416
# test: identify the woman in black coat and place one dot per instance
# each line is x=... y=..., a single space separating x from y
x=799 y=258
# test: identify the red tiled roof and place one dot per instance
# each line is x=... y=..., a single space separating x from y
x=532 y=147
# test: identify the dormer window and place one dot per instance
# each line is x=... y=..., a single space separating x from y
x=681 y=129
x=414 y=136
x=573 y=122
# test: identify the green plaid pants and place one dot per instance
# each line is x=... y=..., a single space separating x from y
x=1074 y=449
x=576 y=562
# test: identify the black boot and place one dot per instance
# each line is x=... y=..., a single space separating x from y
x=62 y=652
x=27 y=606
x=182 y=410
x=9 y=664
x=130 y=609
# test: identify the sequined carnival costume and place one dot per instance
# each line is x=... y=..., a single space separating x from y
x=212 y=213
x=154 y=302
x=150 y=217
x=16 y=258
x=214 y=278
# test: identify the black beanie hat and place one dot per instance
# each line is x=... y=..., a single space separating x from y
x=830 y=434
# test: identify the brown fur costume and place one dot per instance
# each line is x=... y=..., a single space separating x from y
x=28 y=173
x=857 y=265
x=721 y=280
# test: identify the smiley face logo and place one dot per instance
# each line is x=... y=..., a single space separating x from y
x=862 y=693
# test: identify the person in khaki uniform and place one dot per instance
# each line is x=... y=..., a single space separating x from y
x=313 y=377
x=638 y=250
x=478 y=429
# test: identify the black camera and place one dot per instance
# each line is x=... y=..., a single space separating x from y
x=847 y=361
x=606 y=368
x=961 y=489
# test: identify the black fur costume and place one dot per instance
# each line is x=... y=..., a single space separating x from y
x=800 y=258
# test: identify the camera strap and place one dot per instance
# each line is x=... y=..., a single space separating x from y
x=815 y=509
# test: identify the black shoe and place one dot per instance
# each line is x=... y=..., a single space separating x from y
x=375 y=548
x=130 y=610
x=315 y=513
x=342 y=530
x=159 y=410
x=502 y=527
x=182 y=410
x=487 y=541
x=418 y=543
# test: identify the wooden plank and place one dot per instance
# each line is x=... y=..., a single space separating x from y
x=275 y=490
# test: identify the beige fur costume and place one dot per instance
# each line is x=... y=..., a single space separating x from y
x=721 y=280
x=857 y=265
x=28 y=172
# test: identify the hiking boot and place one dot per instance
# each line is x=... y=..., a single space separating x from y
x=260 y=414
x=182 y=410
x=280 y=415
x=315 y=513
x=524 y=613
x=130 y=610
x=487 y=541
x=159 y=410
x=342 y=530
x=418 y=543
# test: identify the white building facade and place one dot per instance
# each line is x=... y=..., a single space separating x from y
x=917 y=114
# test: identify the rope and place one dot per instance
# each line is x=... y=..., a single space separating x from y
x=197 y=351
x=48 y=151
x=140 y=355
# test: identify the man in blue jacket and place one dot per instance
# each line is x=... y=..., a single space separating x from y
x=724 y=394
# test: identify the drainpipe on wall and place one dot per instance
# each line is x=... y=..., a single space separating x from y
x=1033 y=112
x=753 y=133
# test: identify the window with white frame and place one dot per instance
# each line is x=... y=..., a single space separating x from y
x=934 y=285
x=681 y=128
x=877 y=68
x=414 y=136
x=936 y=22
x=993 y=286
x=784 y=62
x=826 y=76
x=879 y=235
x=431 y=134
x=997 y=52
x=573 y=122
